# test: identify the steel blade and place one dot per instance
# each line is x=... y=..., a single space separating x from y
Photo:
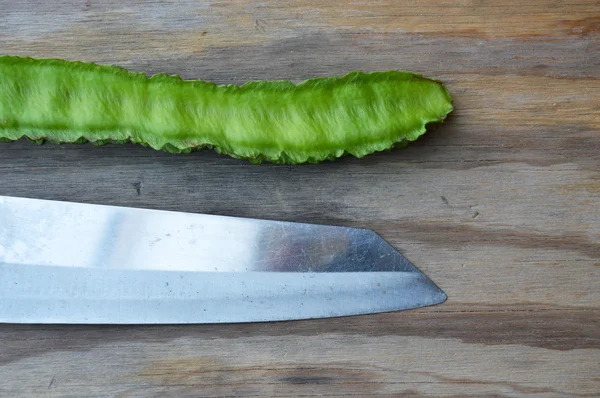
x=64 y=262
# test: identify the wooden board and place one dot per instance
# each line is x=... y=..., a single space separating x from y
x=499 y=206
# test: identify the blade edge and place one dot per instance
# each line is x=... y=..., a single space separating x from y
x=87 y=296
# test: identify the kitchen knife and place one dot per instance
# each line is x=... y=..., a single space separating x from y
x=64 y=262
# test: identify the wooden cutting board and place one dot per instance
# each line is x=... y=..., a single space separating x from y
x=499 y=206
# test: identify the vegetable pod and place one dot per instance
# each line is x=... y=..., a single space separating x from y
x=278 y=121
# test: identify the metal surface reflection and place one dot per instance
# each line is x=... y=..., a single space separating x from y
x=80 y=235
x=64 y=262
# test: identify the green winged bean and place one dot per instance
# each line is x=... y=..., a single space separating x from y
x=318 y=119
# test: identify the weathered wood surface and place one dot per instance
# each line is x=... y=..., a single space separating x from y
x=499 y=206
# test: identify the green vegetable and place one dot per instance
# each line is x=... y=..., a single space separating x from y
x=318 y=119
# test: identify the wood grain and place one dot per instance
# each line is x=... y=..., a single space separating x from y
x=499 y=206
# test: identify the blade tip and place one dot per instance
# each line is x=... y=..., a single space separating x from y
x=439 y=297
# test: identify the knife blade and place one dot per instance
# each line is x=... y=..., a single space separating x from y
x=65 y=262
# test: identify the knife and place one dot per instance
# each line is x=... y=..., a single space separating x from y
x=64 y=262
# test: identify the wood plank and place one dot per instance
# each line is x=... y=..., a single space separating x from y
x=366 y=356
x=499 y=206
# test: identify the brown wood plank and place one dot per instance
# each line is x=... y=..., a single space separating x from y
x=499 y=206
